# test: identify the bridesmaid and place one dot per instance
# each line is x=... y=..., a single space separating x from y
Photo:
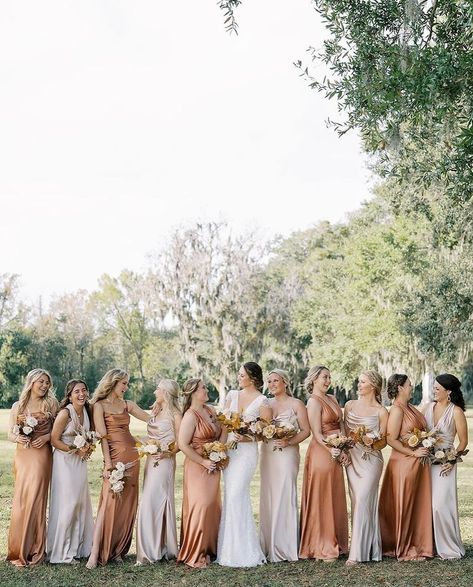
x=405 y=504
x=32 y=469
x=446 y=414
x=201 y=504
x=116 y=515
x=366 y=468
x=156 y=535
x=279 y=524
x=324 y=518
x=71 y=523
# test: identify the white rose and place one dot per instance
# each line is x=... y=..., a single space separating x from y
x=27 y=430
x=151 y=449
x=16 y=429
x=214 y=457
x=164 y=446
x=439 y=454
x=79 y=441
x=118 y=487
x=120 y=466
x=428 y=442
x=31 y=421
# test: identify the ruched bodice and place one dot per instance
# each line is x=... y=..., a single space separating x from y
x=331 y=414
x=162 y=430
x=204 y=432
x=120 y=441
x=445 y=426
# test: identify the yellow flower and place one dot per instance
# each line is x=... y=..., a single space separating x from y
x=413 y=441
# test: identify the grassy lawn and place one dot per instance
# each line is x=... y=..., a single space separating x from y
x=388 y=573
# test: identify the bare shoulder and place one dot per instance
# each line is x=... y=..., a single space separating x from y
x=298 y=404
x=348 y=404
x=15 y=406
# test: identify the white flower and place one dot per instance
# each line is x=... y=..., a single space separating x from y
x=120 y=466
x=439 y=454
x=27 y=430
x=371 y=435
x=214 y=456
x=428 y=442
x=222 y=455
x=249 y=419
x=79 y=441
x=165 y=446
x=118 y=486
x=151 y=449
x=31 y=421
x=16 y=429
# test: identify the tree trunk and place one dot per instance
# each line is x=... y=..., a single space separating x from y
x=428 y=385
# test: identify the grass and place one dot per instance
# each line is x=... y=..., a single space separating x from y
x=389 y=573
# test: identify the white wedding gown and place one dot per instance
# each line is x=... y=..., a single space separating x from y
x=238 y=542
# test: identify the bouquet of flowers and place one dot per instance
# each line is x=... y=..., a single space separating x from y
x=26 y=428
x=369 y=440
x=217 y=453
x=249 y=427
x=85 y=439
x=153 y=448
x=117 y=477
x=277 y=431
x=447 y=456
x=340 y=441
x=421 y=438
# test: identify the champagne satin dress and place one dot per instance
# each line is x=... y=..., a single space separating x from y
x=448 y=542
x=405 y=503
x=32 y=471
x=201 y=504
x=279 y=524
x=156 y=535
x=324 y=518
x=71 y=522
x=363 y=475
x=116 y=514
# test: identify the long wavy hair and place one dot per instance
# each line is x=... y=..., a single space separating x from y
x=107 y=384
x=377 y=383
x=171 y=390
x=49 y=403
x=284 y=376
x=312 y=376
x=66 y=400
x=188 y=389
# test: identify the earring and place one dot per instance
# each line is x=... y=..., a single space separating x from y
x=448 y=397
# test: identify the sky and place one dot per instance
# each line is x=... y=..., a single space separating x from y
x=121 y=120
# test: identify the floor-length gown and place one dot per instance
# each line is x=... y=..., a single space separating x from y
x=201 y=503
x=116 y=514
x=363 y=475
x=238 y=542
x=448 y=542
x=279 y=520
x=324 y=517
x=405 y=503
x=71 y=523
x=156 y=535
x=32 y=471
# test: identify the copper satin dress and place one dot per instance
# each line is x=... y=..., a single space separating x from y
x=113 y=530
x=448 y=542
x=324 y=518
x=405 y=503
x=201 y=504
x=32 y=471
x=363 y=475
x=279 y=523
x=156 y=535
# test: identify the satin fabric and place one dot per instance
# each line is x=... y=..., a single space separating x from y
x=71 y=523
x=113 y=530
x=279 y=520
x=448 y=542
x=405 y=507
x=363 y=483
x=156 y=535
x=32 y=471
x=324 y=517
x=201 y=504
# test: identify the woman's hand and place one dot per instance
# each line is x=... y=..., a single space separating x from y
x=345 y=459
x=281 y=443
x=209 y=465
x=22 y=439
x=445 y=469
x=335 y=452
x=240 y=437
x=421 y=452
x=40 y=441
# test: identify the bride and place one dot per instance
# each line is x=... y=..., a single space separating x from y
x=238 y=543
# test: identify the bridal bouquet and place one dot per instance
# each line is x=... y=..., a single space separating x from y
x=85 y=439
x=26 y=428
x=250 y=427
x=154 y=448
x=369 y=440
x=447 y=456
x=217 y=453
x=421 y=438
x=117 y=477
x=276 y=431
x=340 y=441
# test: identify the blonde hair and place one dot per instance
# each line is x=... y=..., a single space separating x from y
x=312 y=376
x=171 y=389
x=376 y=381
x=107 y=384
x=284 y=376
x=189 y=387
x=49 y=403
